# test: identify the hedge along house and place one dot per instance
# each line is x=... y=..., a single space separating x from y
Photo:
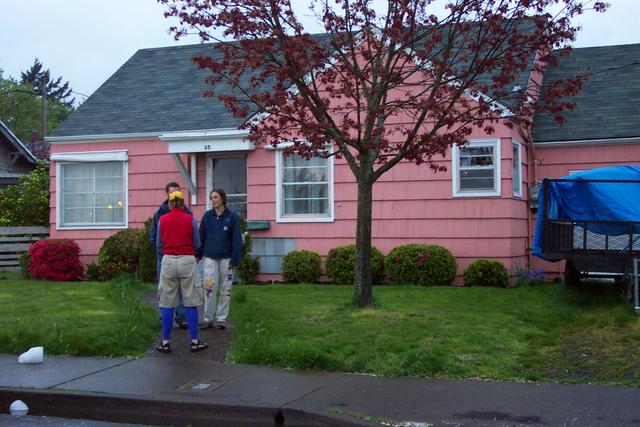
x=150 y=124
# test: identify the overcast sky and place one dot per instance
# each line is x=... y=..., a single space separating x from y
x=86 y=41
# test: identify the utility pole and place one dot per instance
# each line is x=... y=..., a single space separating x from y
x=43 y=117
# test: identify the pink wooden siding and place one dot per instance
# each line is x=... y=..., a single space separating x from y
x=149 y=170
x=412 y=204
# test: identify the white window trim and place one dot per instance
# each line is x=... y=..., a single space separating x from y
x=302 y=218
x=455 y=167
x=519 y=145
x=95 y=157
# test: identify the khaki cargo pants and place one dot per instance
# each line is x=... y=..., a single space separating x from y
x=178 y=275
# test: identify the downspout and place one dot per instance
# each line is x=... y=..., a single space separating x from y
x=534 y=86
x=532 y=166
x=532 y=177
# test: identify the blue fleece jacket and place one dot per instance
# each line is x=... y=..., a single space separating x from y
x=220 y=236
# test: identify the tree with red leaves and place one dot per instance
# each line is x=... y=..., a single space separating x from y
x=386 y=81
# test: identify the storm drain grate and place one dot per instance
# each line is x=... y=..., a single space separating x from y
x=201 y=385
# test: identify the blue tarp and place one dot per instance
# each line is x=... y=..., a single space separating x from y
x=594 y=201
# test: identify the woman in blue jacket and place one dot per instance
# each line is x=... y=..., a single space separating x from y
x=221 y=242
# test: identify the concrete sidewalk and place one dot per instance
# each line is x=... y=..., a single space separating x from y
x=190 y=391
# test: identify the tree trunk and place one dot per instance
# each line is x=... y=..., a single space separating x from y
x=363 y=292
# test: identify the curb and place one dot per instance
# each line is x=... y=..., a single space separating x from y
x=136 y=410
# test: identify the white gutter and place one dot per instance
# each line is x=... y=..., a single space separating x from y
x=54 y=140
x=587 y=142
x=164 y=135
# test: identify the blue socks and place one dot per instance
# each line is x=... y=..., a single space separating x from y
x=167 y=321
x=192 y=321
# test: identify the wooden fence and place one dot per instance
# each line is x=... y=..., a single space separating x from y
x=14 y=241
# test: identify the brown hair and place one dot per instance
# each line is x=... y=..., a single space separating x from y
x=169 y=185
x=222 y=194
x=176 y=203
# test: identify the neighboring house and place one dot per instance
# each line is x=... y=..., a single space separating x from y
x=149 y=124
x=15 y=158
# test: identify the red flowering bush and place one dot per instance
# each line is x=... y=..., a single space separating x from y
x=56 y=259
x=424 y=265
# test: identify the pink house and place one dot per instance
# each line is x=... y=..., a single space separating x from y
x=149 y=124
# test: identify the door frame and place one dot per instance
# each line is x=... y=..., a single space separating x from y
x=209 y=169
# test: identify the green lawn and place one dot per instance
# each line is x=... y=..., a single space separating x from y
x=75 y=318
x=542 y=333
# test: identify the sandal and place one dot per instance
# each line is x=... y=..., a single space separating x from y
x=198 y=346
x=182 y=324
x=205 y=325
x=164 y=348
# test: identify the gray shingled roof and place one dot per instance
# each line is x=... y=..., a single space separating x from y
x=156 y=90
x=608 y=105
x=160 y=90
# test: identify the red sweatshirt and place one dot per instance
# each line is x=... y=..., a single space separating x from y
x=177 y=233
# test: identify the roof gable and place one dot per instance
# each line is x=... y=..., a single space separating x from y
x=11 y=138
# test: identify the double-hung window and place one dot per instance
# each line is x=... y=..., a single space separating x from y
x=304 y=190
x=91 y=190
x=476 y=169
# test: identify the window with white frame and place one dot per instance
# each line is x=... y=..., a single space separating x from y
x=516 y=168
x=304 y=188
x=91 y=193
x=476 y=169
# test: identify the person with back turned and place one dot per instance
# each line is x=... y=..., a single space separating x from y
x=153 y=230
x=178 y=239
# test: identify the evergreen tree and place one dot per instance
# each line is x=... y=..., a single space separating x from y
x=56 y=90
x=21 y=109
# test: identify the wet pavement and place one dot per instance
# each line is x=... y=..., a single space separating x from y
x=176 y=390
x=219 y=341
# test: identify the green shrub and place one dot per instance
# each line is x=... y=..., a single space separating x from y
x=27 y=204
x=424 y=265
x=486 y=272
x=120 y=253
x=94 y=273
x=146 y=256
x=25 y=260
x=341 y=263
x=301 y=266
x=249 y=266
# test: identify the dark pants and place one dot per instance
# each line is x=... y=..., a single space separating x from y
x=179 y=312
